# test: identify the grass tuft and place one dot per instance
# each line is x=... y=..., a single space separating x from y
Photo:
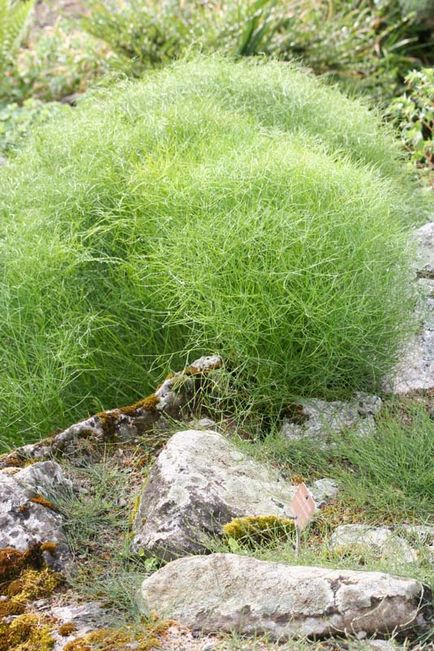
x=97 y=523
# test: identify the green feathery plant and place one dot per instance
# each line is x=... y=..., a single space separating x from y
x=13 y=18
x=240 y=208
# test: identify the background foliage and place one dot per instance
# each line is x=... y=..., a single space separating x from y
x=413 y=113
x=13 y=16
x=366 y=44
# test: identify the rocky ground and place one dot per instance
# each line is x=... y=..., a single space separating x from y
x=153 y=527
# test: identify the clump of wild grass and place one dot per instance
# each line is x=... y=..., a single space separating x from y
x=97 y=524
x=241 y=209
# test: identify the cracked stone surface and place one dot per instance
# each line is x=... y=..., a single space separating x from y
x=227 y=592
x=201 y=481
x=24 y=522
x=382 y=542
x=416 y=370
x=318 y=419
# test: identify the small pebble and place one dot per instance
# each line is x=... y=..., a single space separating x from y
x=208 y=646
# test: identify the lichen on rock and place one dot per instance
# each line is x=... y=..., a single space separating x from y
x=146 y=638
x=89 y=437
x=28 y=518
x=319 y=419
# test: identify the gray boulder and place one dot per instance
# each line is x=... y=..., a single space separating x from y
x=380 y=541
x=324 y=491
x=27 y=518
x=226 y=592
x=201 y=481
x=318 y=418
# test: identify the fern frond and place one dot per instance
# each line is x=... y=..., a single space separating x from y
x=13 y=19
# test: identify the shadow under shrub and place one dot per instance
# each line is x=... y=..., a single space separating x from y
x=243 y=209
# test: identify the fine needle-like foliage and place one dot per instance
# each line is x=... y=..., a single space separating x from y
x=214 y=207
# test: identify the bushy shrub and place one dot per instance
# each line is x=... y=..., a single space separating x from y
x=424 y=9
x=413 y=114
x=151 y=32
x=214 y=207
x=366 y=45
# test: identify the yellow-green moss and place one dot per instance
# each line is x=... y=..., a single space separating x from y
x=33 y=584
x=108 y=421
x=40 y=499
x=23 y=578
x=123 y=639
x=147 y=404
x=27 y=632
x=12 y=459
x=67 y=629
x=259 y=530
x=9 y=607
x=49 y=546
x=135 y=509
x=12 y=561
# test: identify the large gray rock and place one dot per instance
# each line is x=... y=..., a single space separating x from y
x=324 y=491
x=421 y=533
x=415 y=371
x=226 y=592
x=27 y=518
x=201 y=481
x=378 y=541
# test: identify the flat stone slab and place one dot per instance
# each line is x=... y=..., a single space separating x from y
x=201 y=481
x=226 y=592
x=381 y=542
x=318 y=419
